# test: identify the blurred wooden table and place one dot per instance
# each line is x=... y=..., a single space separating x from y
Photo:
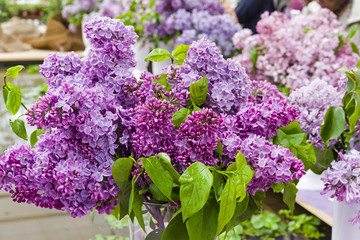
x=22 y=221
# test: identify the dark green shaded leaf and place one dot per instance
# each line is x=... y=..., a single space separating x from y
x=18 y=127
x=218 y=184
x=158 y=55
x=333 y=125
x=220 y=148
x=290 y=196
x=155 y=235
x=195 y=188
x=323 y=160
x=202 y=225
x=176 y=229
x=34 y=136
x=180 y=116
x=306 y=154
x=166 y=163
x=198 y=91
x=158 y=195
x=137 y=209
x=13 y=72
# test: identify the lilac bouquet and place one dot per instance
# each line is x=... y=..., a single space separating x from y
x=186 y=21
x=294 y=52
x=195 y=136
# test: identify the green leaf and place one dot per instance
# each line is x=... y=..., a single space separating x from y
x=161 y=178
x=163 y=82
x=158 y=195
x=350 y=85
x=132 y=194
x=227 y=205
x=333 y=125
x=240 y=161
x=13 y=100
x=18 y=127
x=166 y=163
x=277 y=187
x=13 y=72
x=352 y=109
x=180 y=116
x=176 y=229
x=124 y=199
x=218 y=183
x=6 y=91
x=290 y=195
x=202 y=225
x=220 y=149
x=34 y=136
x=195 y=188
x=354 y=48
x=351 y=33
x=323 y=160
x=121 y=171
x=306 y=154
x=341 y=43
x=344 y=69
x=254 y=56
x=158 y=55
x=198 y=91
x=180 y=53
x=137 y=209
x=154 y=235
x=251 y=208
x=292 y=128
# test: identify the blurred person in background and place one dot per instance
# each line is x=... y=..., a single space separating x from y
x=249 y=12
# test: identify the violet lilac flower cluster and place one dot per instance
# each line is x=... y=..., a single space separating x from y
x=296 y=51
x=95 y=111
x=193 y=20
x=313 y=102
x=342 y=180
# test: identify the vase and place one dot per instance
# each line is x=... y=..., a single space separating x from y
x=310 y=181
x=342 y=228
x=158 y=66
x=86 y=41
x=141 y=50
x=156 y=217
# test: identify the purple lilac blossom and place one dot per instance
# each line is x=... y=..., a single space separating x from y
x=298 y=50
x=313 y=101
x=342 y=180
x=229 y=85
